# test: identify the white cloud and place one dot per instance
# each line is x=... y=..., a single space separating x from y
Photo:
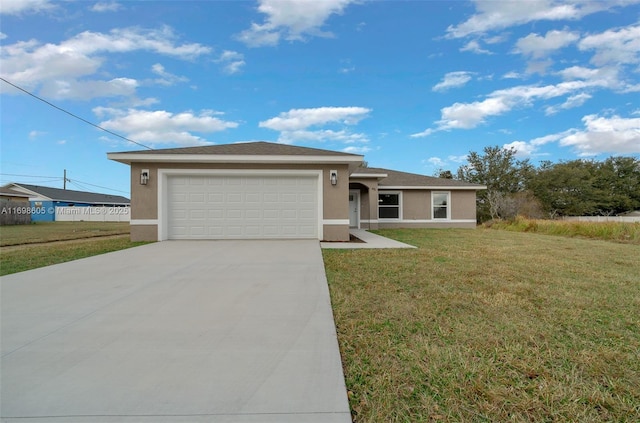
x=495 y=15
x=356 y=150
x=538 y=66
x=522 y=148
x=3 y=35
x=166 y=78
x=424 y=133
x=453 y=80
x=291 y=20
x=512 y=75
x=537 y=47
x=571 y=102
x=162 y=127
x=86 y=90
x=474 y=47
x=615 y=135
x=611 y=135
x=436 y=161
x=458 y=159
x=106 y=6
x=294 y=125
x=35 y=134
x=614 y=46
x=17 y=7
x=32 y=64
x=321 y=135
x=347 y=67
x=470 y=115
x=296 y=119
x=232 y=61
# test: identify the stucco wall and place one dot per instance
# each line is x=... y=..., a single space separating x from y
x=144 y=198
x=144 y=233
x=416 y=205
x=368 y=189
x=463 y=205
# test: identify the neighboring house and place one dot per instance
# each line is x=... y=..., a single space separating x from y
x=265 y=190
x=14 y=207
x=9 y=194
x=46 y=199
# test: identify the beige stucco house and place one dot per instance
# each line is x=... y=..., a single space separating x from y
x=265 y=190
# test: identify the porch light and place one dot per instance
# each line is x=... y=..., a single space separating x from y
x=144 y=177
x=333 y=177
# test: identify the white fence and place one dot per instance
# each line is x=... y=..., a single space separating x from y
x=628 y=219
x=93 y=214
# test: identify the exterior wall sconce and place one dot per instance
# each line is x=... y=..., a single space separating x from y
x=333 y=177
x=144 y=177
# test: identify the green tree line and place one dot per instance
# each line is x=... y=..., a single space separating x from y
x=568 y=188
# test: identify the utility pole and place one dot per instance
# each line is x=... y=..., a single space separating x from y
x=64 y=184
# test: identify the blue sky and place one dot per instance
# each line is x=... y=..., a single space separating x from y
x=413 y=86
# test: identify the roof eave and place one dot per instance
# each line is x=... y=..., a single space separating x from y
x=129 y=158
x=369 y=175
x=435 y=187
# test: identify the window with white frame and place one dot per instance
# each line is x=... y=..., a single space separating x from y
x=389 y=205
x=440 y=205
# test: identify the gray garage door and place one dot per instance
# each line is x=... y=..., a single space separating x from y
x=242 y=207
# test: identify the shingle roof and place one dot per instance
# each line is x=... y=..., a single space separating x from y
x=404 y=179
x=58 y=194
x=10 y=192
x=256 y=148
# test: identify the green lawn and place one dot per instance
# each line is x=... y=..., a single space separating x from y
x=488 y=325
x=58 y=231
x=19 y=259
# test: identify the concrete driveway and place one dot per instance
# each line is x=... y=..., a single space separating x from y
x=176 y=331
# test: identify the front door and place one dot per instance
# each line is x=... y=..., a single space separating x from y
x=354 y=209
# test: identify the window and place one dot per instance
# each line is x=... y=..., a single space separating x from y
x=440 y=204
x=389 y=205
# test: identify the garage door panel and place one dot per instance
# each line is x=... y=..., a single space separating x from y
x=230 y=206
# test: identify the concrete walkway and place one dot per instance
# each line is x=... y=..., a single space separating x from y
x=176 y=331
x=369 y=241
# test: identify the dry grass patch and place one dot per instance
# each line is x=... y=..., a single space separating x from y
x=489 y=326
x=626 y=232
x=39 y=232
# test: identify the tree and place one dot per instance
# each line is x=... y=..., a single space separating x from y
x=565 y=188
x=587 y=187
x=443 y=174
x=618 y=180
x=503 y=175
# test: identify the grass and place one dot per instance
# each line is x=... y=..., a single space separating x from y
x=19 y=259
x=609 y=231
x=39 y=232
x=484 y=325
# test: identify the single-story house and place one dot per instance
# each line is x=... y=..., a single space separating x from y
x=14 y=207
x=46 y=199
x=9 y=194
x=265 y=190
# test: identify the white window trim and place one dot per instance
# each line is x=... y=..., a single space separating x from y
x=448 y=218
x=400 y=215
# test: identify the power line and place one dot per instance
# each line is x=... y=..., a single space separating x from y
x=29 y=176
x=97 y=186
x=73 y=115
x=57 y=178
